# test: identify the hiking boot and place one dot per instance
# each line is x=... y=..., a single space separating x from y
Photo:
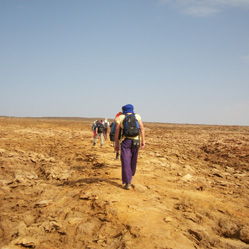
x=127 y=186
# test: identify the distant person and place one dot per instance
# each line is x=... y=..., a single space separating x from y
x=99 y=129
x=106 y=127
x=112 y=134
x=112 y=137
x=132 y=137
x=94 y=128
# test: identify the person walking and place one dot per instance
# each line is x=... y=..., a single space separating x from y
x=99 y=129
x=112 y=134
x=94 y=128
x=106 y=127
x=130 y=143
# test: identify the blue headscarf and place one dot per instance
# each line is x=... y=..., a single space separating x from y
x=128 y=109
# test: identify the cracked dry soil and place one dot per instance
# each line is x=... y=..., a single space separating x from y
x=190 y=190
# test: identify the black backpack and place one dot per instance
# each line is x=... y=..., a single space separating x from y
x=131 y=126
x=100 y=128
x=112 y=132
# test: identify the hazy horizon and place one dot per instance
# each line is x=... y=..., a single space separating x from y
x=111 y=119
x=175 y=61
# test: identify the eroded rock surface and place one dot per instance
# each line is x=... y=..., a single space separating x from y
x=58 y=191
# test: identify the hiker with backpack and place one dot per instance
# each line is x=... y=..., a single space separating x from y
x=94 y=128
x=106 y=126
x=112 y=133
x=99 y=129
x=112 y=136
x=131 y=139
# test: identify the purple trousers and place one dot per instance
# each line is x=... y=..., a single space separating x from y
x=128 y=160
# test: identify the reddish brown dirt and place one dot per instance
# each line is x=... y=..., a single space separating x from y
x=190 y=190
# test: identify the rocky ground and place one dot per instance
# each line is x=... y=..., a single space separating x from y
x=58 y=191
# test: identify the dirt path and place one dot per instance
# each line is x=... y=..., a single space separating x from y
x=58 y=191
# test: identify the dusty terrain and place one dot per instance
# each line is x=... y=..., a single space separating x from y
x=58 y=191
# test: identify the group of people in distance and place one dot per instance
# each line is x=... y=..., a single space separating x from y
x=100 y=129
x=125 y=140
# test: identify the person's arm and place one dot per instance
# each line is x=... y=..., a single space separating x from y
x=142 y=134
x=116 y=137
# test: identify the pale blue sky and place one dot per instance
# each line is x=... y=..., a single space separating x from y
x=184 y=61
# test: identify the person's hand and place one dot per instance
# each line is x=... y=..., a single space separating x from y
x=116 y=147
x=142 y=144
